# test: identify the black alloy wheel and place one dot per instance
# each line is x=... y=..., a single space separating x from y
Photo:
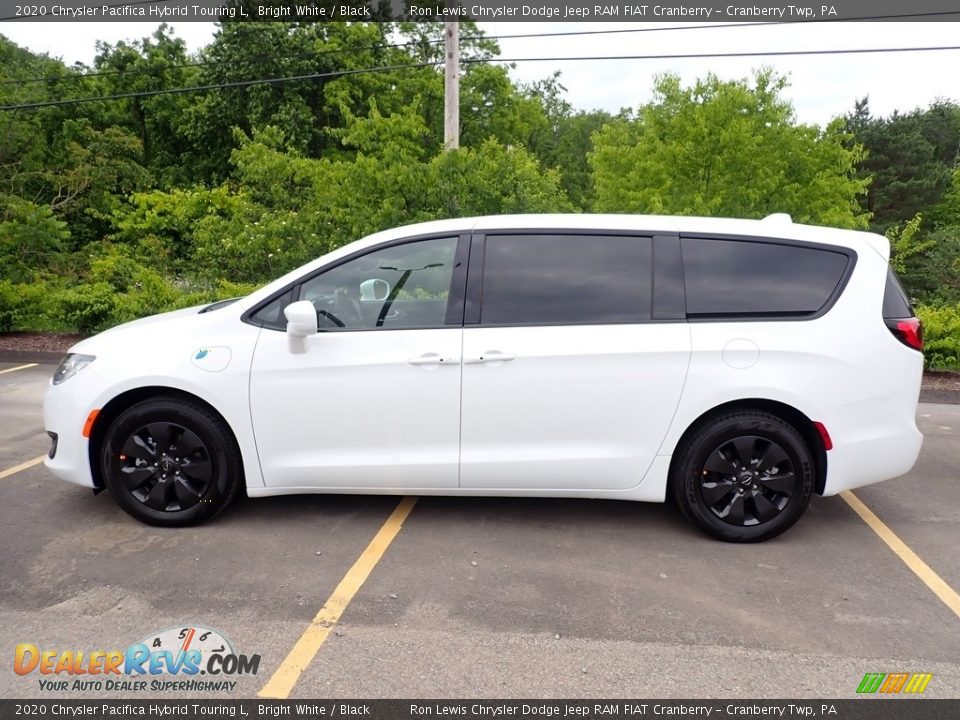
x=171 y=461
x=743 y=476
x=747 y=480
x=165 y=466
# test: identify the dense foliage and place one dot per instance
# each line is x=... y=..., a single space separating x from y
x=728 y=149
x=115 y=209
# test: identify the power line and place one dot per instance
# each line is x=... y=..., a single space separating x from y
x=144 y=71
x=685 y=56
x=716 y=26
x=209 y=63
x=217 y=86
x=513 y=36
x=475 y=61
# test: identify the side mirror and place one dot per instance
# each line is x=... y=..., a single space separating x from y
x=374 y=290
x=301 y=319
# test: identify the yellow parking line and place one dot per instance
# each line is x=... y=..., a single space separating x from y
x=19 y=367
x=282 y=681
x=947 y=594
x=22 y=466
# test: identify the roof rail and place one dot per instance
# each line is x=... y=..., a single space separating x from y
x=778 y=218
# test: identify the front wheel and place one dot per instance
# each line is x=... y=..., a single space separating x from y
x=744 y=476
x=171 y=462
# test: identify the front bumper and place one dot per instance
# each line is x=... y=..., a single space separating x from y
x=66 y=408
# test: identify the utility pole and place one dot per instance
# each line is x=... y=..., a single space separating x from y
x=451 y=94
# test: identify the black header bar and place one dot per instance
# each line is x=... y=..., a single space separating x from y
x=718 y=11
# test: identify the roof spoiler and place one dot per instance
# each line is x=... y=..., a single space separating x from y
x=779 y=218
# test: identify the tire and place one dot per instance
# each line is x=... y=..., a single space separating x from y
x=744 y=476
x=190 y=472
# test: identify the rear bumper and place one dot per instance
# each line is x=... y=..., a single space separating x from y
x=874 y=440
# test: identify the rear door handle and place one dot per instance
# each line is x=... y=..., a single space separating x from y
x=490 y=356
x=433 y=359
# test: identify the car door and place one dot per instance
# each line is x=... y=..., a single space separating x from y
x=573 y=361
x=373 y=399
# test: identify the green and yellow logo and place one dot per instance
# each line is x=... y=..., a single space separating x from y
x=894 y=683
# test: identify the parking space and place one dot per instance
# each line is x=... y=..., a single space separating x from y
x=491 y=597
x=924 y=507
x=21 y=420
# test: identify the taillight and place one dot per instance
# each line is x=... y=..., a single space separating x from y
x=909 y=331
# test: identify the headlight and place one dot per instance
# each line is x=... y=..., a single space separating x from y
x=70 y=366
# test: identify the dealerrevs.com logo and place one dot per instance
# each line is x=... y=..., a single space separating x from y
x=172 y=660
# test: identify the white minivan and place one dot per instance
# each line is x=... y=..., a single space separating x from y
x=737 y=366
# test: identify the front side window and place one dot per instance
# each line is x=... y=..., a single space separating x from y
x=399 y=287
x=738 y=278
x=566 y=279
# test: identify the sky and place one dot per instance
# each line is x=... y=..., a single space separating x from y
x=822 y=87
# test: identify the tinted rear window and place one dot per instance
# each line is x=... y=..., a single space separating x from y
x=757 y=279
x=895 y=303
x=566 y=279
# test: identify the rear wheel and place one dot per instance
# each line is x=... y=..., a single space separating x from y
x=744 y=476
x=171 y=462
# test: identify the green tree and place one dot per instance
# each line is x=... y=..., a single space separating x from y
x=282 y=209
x=72 y=159
x=729 y=149
x=906 y=243
x=564 y=141
x=909 y=159
x=153 y=63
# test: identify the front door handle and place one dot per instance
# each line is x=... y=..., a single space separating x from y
x=433 y=359
x=490 y=356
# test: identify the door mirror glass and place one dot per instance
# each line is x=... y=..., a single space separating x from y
x=301 y=319
x=374 y=290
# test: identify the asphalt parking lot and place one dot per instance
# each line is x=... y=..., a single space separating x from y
x=490 y=597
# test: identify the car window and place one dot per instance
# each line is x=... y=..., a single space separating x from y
x=271 y=315
x=399 y=287
x=756 y=279
x=895 y=302
x=566 y=279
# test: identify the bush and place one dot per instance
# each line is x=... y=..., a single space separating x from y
x=88 y=308
x=941 y=335
x=9 y=305
x=31 y=306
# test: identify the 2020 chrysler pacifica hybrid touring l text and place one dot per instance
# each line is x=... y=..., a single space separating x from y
x=739 y=366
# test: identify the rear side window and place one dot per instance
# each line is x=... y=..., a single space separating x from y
x=738 y=278
x=566 y=279
x=895 y=303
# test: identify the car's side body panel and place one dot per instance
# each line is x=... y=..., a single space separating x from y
x=520 y=428
x=578 y=408
x=353 y=409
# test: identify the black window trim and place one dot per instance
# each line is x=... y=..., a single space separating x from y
x=665 y=246
x=850 y=253
x=474 y=289
x=455 y=298
x=466 y=291
x=474 y=301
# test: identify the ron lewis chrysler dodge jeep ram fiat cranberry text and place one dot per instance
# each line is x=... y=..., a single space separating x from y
x=738 y=366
